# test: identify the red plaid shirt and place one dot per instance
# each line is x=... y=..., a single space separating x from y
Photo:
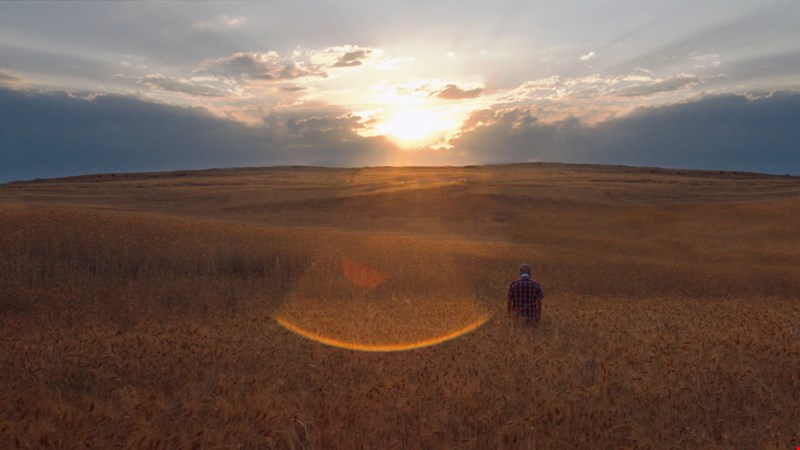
x=525 y=298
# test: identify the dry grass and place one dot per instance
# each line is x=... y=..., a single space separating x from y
x=139 y=311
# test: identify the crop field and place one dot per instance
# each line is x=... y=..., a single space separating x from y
x=365 y=308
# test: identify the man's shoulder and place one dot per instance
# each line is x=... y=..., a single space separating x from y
x=524 y=280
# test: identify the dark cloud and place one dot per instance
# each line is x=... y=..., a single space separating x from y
x=668 y=85
x=479 y=118
x=167 y=83
x=354 y=63
x=730 y=132
x=310 y=126
x=49 y=134
x=722 y=132
x=352 y=58
x=453 y=92
x=331 y=141
x=293 y=88
x=58 y=134
x=261 y=66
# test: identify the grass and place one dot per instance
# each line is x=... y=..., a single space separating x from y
x=140 y=311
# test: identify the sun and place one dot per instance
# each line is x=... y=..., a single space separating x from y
x=410 y=125
x=416 y=127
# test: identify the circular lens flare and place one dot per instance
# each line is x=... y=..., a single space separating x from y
x=367 y=309
x=381 y=321
x=381 y=347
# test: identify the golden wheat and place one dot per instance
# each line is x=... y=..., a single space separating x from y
x=670 y=324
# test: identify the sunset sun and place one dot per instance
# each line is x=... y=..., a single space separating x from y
x=416 y=126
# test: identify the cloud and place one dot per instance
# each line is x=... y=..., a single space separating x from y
x=172 y=84
x=423 y=88
x=352 y=58
x=6 y=79
x=481 y=117
x=588 y=56
x=727 y=132
x=48 y=134
x=53 y=134
x=599 y=97
x=261 y=66
x=220 y=21
x=331 y=140
x=339 y=56
x=311 y=127
x=232 y=21
x=541 y=89
x=705 y=60
x=453 y=92
x=665 y=85
x=293 y=88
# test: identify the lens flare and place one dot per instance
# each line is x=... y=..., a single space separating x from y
x=362 y=275
x=381 y=347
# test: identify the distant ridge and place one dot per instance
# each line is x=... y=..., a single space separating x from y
x=298 y=168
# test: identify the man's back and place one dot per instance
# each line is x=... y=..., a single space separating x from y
x=525 y=298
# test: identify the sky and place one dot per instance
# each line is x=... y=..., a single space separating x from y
x=92 y=87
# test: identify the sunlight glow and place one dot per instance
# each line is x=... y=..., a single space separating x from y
x=380 y=347
x=410 y=125
x=414 y=127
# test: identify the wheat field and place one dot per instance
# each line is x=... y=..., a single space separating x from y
x=365 y=308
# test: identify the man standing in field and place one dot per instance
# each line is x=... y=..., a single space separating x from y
x=525 y=297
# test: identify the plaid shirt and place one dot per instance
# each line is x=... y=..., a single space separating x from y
x=525 y=298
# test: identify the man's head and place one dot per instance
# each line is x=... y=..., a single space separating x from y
x=524 y=269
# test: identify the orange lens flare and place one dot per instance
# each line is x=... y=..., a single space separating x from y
x=381 y=347
x=362 y=275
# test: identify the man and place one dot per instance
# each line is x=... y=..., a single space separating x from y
x=525 y=297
